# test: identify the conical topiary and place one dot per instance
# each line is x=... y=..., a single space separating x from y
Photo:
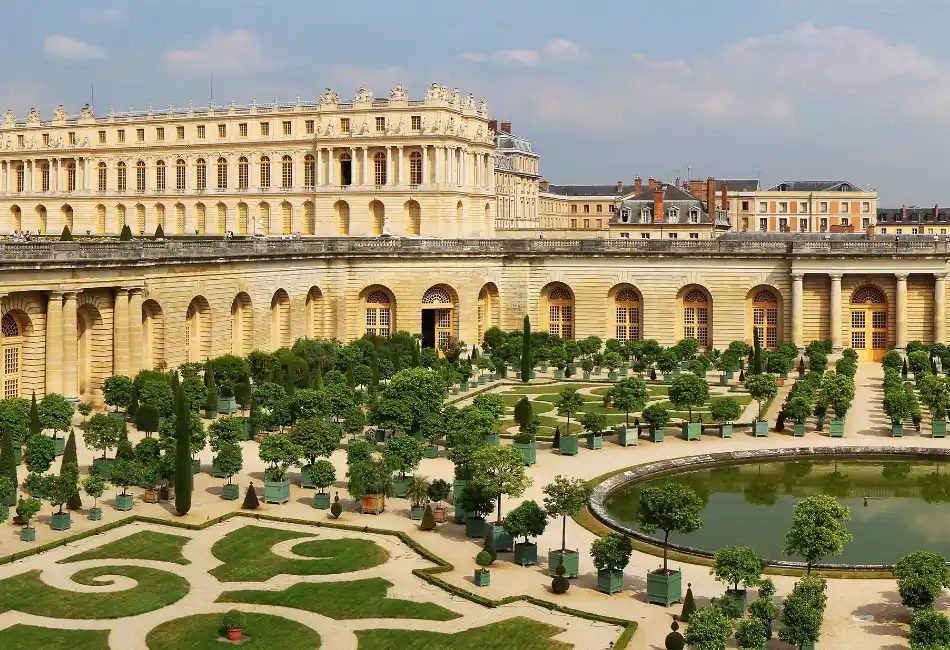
x=741 y=375
x=689 y=604
x=428 y=520
x=904 y=369
x=35 y=426
x=66 y=236
x=489 y=542
x=250 y=499
x=336 y=508
x=126 y=234
x=70 y=463
x=801 y=365
x=652 y=374
x=560 y=584
x=557 y=437
x=159 y=232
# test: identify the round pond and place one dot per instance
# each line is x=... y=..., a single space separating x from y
x=897 y=506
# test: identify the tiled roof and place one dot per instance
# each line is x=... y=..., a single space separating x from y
x=589 y=190
x=677 y=204
x=912 y=215
x=738 y=184
x=815 y=186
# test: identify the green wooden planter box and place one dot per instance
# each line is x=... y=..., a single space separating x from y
x=415 y=512
x=807 y=646
x=118 y=415
x=482 y=577
x=230 y=491
x=59 y=444
x=897 y=430
x=60 y=521
x=215 y=470
x=475 y=527
x=454 y=390
x=798 y=429
x=526 y=554
x=400 y=487
x=249 y=429
x=586 y=375
x=501 y=540
x=559 y=374
x=692 y=430
x=227 y=405
x=665 y=589
x=95 y=514
x=568 y=445
x=457 y=487
x=656 y=435
x=28 y=534
x=493 y=439
x=463 y=386
x=939 y=428
x=594 y=442
x=321 y=500
x=760 y=428
x=836 y=428
x=379 y=435
x=612 y=375
x=210 y=414
x=626 y=437
x=305 y=481
x=482 y=379
x=17 y=455
x=195 y=466
x=571 y=561
x=739 y=598
x=277 y=491
x=533 y=375
x=725 y=430
x=623 y=371
x=723 y=379
x=124 y=502
x=609 y=581
x=432 y=451
x=102 y=465
x=529 y=450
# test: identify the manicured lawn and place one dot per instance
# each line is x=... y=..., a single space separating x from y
x=520 y=633
x=144 y=545
x=546 y=421
x=546 y=389
x=343 y=600
x=154 y=589
x=28 y=637
x=655 y=390
x=247 y=556
x=201 y=632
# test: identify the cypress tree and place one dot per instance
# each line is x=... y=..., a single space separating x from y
x=756 y=353
x=66 y=236
x=134 y=402
x=70 y=463
x=374 y=369
x=183 y=471
x=8 y=462
x=416 y=354
x=318 y=378
x=350 y=377
x=126 y=234
x=278 y=377
x=557 y=437
x=526 y=351
x=35 y=426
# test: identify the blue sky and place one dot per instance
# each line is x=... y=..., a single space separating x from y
x=606 y=90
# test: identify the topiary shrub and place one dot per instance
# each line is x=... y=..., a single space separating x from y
x=336 y=508
x=126 y=234
x=159 y=232
x=483 y=558
x=234 y=619
x=250 y=499
x=66 y=236
x=428 y=519
x=560 y=584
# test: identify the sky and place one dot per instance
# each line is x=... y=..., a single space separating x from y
x=855 y=90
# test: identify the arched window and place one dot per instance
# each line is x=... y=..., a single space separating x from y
x=222 y=174
x=121 y=177
x=242 y=218
x=309 y=171
x=44 y=177
x=696 y=317
x=379 y=217
x=629 y=315
x=180 y=175
x=415 y=217
x=222 y=218
x=439 y=299
x=21 y=176
x=264 y=217
x=140 y=218
x=140 y=176
x=201 y=216
x=68 y=217
x=265 y=171
x=100 y=219
x=160 y=215
x=765 y=319
x=378 y=314
x=201 y=174
x=70 y=177
x=120 y=217
x=379 y=162
x=343 y=216
x=415 y=168
x=12 y=344
x=242 y=173
x=309 y=218
x=101 y=181
x=180 y=219
x=286 y=172
x=286 y=218
x=160 y=176
x=561 y=313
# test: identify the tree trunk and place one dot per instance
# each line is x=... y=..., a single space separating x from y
x=498 y=518
x=564 y=533
x=666 y=548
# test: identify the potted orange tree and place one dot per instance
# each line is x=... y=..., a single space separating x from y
x=27 y=509
x=417 y=492
x=725 y=411
x=230 y=462
x=322 y=476
x=527 y=520
x=564 y=498
x=94 y=486
x=234 y=623
x=611 y=555
x=670 y=508
x=371 y=481
x=280 y=453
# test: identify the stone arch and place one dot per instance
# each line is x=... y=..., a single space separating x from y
x=309 y=218
x=487 y=213
x=280 y=320
x=16 y=218
x=694 y=315
x=413 y=217
x=489 y=310
x=67 y=215
x=624 y=313
x=286 y=218
x=377 y=310
x=198 y=332
x=41 y=219
x=29 y=315
x=153 y=335
x=869 y=322
x=557 y=310
x=263 y=212
x=459 y=215
x=342 y=211
x=764 y=313
x=378 y=212
x=315 y=313
x=242 y=324
x=88 y=321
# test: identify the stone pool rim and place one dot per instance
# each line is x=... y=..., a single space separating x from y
x=655 y=469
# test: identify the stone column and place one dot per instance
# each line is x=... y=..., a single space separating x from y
x=70 y=346
x=135 y=357
x=389 y=165
x=425 y=164
x=797 y=311
x=901 y=310
x=438 y=164
x=54 y=343
x=318 y=175
x=835 y=311
x=366 y=175
x=330 y=166
x=402 y=177
x=940 y=307
x=120 y=333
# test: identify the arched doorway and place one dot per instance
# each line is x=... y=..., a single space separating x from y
x=488 y=310
x=16 y=218
x=437 y=318
x=869 y=323
x=379 y=217
x=242 y=325
x=342 y=209
x=378 y=308
x=413 y=217
x=41 y=218
x=88 y=321
x=558 y=307
x=765 y=318
x=697 y=324
x=153 y=335
x=315 y=313
x=11 y=341
x=67 y=211
x=628 y=315
x=280 y=320
x=198 y=330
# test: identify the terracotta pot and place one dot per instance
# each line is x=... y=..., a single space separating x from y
x=234 y=635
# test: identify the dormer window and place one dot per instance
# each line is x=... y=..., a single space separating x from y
x=645 y=215
x=625 y=215
x=672 y=215
x=694 y=215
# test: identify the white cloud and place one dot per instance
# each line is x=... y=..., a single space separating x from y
x=554 y=50
x=57 y=46
x=563 y=50
x=236 y=52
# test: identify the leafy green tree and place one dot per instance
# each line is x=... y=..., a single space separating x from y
x=147 y=419
x=316 y=438
x=564 y=498
x=656 y=416
x=611 y=552
x=408 y=398
x=230 y=460
x=929 y=630
x=817 y=529
x=370 y=477
x=404 y=453
x=40 y=453
x=125 y=472
x=102 y=433
x=322 y=474
x=527 y=520
x=117 y=391
x=709 y=629
x=594 y=422
x=725 y=409
x=500 y=471
x=802 y=615
x=94 y=485
x=155 y=388
x=935 y=393
x=358 y=451
x=226 y=430
x=762 y=388
x=56 y=412
x=737 y=565
x=280 y=453
x=671 y=508
x=921 y=577
x=491 y=402
x=15 y=418
x=524 y=411
x=689 y=391
x=836 y=392
x=58 y=490
x=196 y=393
x=527 y=361
x=569 y=403
x=750 y=634
x=27 y=509
x=629 y=395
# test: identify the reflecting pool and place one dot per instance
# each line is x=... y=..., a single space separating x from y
x=897 y=506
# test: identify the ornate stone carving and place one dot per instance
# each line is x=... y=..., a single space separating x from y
x=399 y=94
x=34 y=115
x=9 y=117
x=433 y=94
x=59 y=114
x=86 y=112
x=364 y=96
x=364 y=129
x=436 y=126
x=112 y=114
x=425 y=124
x=470 y=101
x=456 y=100
x=329 y=98
x=483 y=107
x=479 y=133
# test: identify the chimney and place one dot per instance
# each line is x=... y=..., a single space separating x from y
x=724 y=198
x=711 y=198
x=619 y=187
x=651 y=183
x=658 y=216
x=677 y=182
x=904 y=213
x=637 y=185
x=936 y=211
x=506 y=127
x=493 y=125
x=545 y=185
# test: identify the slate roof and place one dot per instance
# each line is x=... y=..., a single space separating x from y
x=678 y=204
x=738 y=184
x=508 y=142
x=590 y=190
x=914 y=215
x=815 y=186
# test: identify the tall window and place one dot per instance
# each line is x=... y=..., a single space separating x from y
x=140 y=176
x=180 y=219
x=120 y=217
x=12 y=345
x=415 y=168
x=561 y=313
x=222 y=174
x=242 y=173
x=70 y=177
x=121 y=177
x=696 y=317
x=21 y=176
x=628 y=316
x=201 y=216
x=100 y=181
x=44 y=177
x=286 y=218
x=378 y=314
x=242 y=218
x=100 y=219
x=140 y=219
x=180 y=175
x=222 y=218
x=415 y=218
x=265 y=171
x=309 y=171
x=346 y=169
x=160 y=175
x=160 y=215
x=201 y=170
x=379 y=162
x=286 y=172
x=765 y=318
x=309 y=217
